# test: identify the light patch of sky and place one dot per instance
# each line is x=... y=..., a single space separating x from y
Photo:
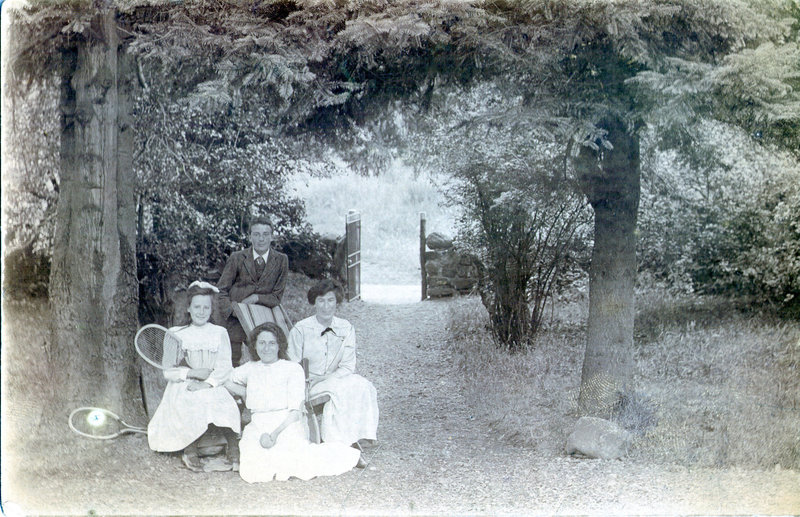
x=390 y=206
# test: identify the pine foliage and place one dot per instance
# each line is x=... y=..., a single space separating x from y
x=313 y=73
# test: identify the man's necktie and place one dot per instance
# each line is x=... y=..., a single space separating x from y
x=260 y=265
x=327 y=330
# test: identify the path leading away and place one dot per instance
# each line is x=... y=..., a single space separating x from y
x=435 y=455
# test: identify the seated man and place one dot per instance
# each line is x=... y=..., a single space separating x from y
x=256 y=275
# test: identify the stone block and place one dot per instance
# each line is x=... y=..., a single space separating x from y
x=438 y=241
x=439 y=292
x=449 y=270
x=438 y=281
x=467 y=271
x=432 y=267
x=463 y=284
x=598 y=438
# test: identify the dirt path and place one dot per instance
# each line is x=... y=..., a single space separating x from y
x=435 y=456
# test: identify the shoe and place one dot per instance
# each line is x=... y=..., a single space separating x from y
x=361 y=463
x=192 y=461
x=232 y=452
x=217 y=465
x=233 y=461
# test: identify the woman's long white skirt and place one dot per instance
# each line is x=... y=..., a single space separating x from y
x=292 y=454
x=352 y=413
x=183 y=416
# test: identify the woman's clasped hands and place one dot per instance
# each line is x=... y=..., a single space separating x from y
x=196 y=378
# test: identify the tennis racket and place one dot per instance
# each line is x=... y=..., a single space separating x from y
x=158 y=346
x=100 y=424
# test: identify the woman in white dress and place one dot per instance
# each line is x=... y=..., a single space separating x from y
x=275 y=443
x=329 y=344
x=195 y=397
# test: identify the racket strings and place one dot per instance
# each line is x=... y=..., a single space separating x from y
x=159 y=346
x=95 y=423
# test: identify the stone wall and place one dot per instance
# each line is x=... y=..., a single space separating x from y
x=448 y=271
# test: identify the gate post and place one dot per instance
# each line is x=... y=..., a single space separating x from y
x=353 y=245
x=422 y=244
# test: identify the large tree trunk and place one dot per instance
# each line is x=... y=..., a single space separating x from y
x=610 y=179
x=93 y=285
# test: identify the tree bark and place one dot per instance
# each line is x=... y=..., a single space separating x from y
x=93 y=285
x=610 y=180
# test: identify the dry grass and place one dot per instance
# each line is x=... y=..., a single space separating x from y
x=26 y=375
x=726 y=383
x=528 y=396
x=718 y=386
x=390 y=205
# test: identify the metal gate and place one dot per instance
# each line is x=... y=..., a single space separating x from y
x=353 y=238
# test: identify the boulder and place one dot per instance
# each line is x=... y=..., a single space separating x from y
x=438 y=281
x=432 y=267
x=438 y=241
x=598 y=438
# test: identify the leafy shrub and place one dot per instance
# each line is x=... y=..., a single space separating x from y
x=189 y=225
x=210 y=157
x=725 y=220
x=523 y=224
x=30 y=189
x=199 y=177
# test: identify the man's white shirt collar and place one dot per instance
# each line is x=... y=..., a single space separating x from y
x=256 y=255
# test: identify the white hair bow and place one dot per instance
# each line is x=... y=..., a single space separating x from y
x=204 y=285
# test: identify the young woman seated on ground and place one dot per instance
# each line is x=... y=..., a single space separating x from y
x=275 y=443
x=195 y=397
x=329 y=344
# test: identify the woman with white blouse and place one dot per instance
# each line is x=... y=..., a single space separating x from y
x=274 y=444
x=329 y=344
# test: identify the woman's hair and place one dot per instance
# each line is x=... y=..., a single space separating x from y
x=323 y=287
x=183 y=318
x=275 y=330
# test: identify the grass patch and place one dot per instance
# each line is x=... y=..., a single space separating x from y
x=390 y=205
x=528 y=396
x=26 y=373
x=716 y=386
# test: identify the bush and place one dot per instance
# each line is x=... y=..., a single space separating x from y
x=26 y=273
x=30 y=188
x=727 y=223
x=525 y=226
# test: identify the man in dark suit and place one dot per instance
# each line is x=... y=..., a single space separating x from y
x=253 y=275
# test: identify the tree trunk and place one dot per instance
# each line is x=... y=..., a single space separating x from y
x=93 y=285
x=610 y=179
